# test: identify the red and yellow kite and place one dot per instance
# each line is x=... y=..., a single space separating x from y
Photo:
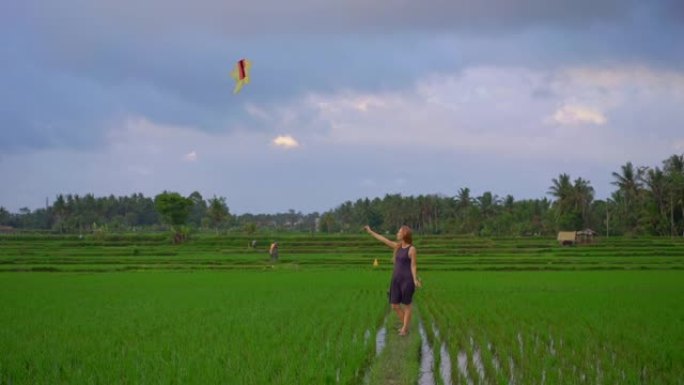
x=241 y=74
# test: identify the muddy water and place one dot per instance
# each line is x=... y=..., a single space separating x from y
x=445 y=365
x=380 y=340
x=427 y=359
x=479 y=367
x=463 y=366
x=495 y=359
x=511 y=365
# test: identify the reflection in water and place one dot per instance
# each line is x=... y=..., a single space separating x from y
x=463 y=366
x=380 y=340
x=427 y=359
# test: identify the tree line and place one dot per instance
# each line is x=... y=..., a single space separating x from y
x=646 y=201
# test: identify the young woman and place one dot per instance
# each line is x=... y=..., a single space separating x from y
x=404 y=278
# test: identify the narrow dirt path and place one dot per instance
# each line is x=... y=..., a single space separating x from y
x=399 y=361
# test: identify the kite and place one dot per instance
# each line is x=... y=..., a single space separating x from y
x=241 y=74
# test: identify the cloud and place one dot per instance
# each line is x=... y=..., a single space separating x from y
x=285 y=141
x=190 y=157
x=498 y=111
x=678 y=145
x=574 y=114
x=306 y=16
x=112 y=63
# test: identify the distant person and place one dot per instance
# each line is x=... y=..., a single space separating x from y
x=273 y=252
x=405 y=276
x=253 y=243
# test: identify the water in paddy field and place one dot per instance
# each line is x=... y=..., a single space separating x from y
x=427 y=359
x=479 y=367
x=445 y=365
x=462 y=365
x=511 y=364
x=495 y=360
x=380 y=340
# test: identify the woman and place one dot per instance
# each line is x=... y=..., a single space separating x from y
x=404 y=278
x=273 y=252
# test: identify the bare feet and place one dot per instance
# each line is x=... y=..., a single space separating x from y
x=403 y=332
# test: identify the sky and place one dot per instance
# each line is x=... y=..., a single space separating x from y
x=347 y=99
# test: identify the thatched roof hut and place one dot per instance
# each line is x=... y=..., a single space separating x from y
x=567 y=238
x=586 y=236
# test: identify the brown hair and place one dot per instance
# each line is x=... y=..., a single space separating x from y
x=408 y=234
x=408 y=238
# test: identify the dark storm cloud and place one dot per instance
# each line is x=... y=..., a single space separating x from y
x=72 y=69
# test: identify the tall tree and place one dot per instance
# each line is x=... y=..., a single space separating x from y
x=217 y=212
x=561 y=189
x=583 y=195
x=564 y=206
x=174 y=210
x=629 y=183
x=199 y=209
x=4 y=216
x=656 y=207
x=674 y=171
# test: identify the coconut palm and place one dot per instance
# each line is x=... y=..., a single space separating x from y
x=562 y=190
x=582 y=198
x=629 y=183
x=673 y=168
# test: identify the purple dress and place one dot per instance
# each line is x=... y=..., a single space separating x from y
x=402 y=286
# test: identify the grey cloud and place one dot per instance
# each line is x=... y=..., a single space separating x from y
x=253 y=17
x=71 y=69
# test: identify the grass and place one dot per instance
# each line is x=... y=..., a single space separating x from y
x=133 y=309
x=562 y=327
x=187 y=328
x=130 y=252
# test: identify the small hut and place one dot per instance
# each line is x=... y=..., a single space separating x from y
x=586 y=236
x=567 y=238
x=571 y=238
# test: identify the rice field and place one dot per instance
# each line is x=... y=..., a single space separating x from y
x=132 y=309
x=589 y=327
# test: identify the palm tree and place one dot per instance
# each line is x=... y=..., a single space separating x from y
x=629 y=183
x=656 y=209
x=562 y=190
x=488 y=203
x=582 y=197
x=674 y=171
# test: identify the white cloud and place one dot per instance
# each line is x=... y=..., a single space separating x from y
x=191 y=156
x=285 y=141
x=497 y=110
x=678 y=145
x=575 y=114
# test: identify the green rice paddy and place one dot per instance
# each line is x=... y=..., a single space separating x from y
x=133 y=309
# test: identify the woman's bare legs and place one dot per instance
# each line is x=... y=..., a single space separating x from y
x=406 y=319
x=400 y=312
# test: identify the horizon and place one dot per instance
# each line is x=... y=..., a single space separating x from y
x=474 y=195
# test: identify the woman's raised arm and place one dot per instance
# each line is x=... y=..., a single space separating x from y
x=380 y=238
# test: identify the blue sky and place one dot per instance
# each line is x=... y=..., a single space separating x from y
x=347 y=100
